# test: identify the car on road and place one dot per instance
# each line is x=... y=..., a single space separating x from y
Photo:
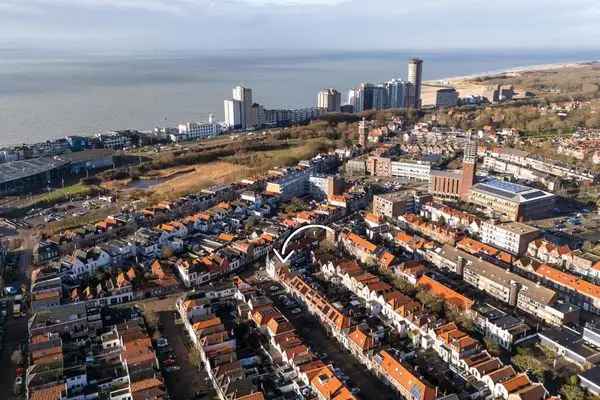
x=169 y=362
x=296 y=311
x=18 y=384
x=10 y=291
x=162 y=342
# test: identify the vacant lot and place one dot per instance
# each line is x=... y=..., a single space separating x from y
x=172 y=182
x=201 y=177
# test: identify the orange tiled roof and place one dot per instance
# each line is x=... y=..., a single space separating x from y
x=515 y=383
x=223 y=205
x=157 y=270
x=51 y=294
x=131 y=274
x=251 y=396
x=570 y=281
x=361 y=339
x=279 y=325
x=376 y=219
x=532 y=392
x=329 y=386
x=502 y=374
x=350 y=267
x=364 y=244
x=473 y=246
x=504 y=256
x=287 y=340
x=207 y=323
x=226 y=237
x=138 y=351
x=403 y=237
x=333 y=315
x=449 y=295
x=145 y=384
x=387 y=259
x=49 y=393
x=263 y=316
x=121 y=280
x=305 y=215
x=308 y=367
x=404 y=378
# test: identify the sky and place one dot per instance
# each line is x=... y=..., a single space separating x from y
x=215 y=25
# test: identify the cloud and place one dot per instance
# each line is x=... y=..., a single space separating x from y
x=296 y=24
x=177 y=7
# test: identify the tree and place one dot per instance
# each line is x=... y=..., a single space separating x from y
x=572 y=392
x=528 y=362
x=433 y=303
x=295 y=205
x=404 y=286
x=492 y=346
x=250 y=223
x=16 y=357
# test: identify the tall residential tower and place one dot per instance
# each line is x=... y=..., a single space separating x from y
x=415 y=76
x=244 y=96
x=330 y=100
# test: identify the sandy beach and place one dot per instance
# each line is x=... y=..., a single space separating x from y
x=511 y=71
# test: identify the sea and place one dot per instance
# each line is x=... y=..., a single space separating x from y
x=52 y=94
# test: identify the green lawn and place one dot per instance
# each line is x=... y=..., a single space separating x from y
x=62 y=194
x=51 y=198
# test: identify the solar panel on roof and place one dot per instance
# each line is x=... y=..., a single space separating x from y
x=497 y=192
x=507 y=186
x=533 y=195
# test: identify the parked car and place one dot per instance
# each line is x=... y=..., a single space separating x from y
x=10 y=291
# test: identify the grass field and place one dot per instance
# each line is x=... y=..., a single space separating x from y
x=57 y=195
x=49 y=199
x=202 y=176
x=230 y=169
x=91 y=217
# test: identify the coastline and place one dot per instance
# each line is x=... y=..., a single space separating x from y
x=510 y=71
x=121 y=113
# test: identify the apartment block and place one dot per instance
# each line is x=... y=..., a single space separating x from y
x=513 y=237
x=392 y=205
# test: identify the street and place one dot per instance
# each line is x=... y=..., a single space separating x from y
x=315 y=336
x=15 y=328
x=184 y=383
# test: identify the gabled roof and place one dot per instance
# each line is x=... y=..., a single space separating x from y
x=570 y=281
x=449 y=295
x=329 y=386
x=502 y=374
x=361 y=243
x=363 y=340
x=406 y=379
x=386 y=259
x=48 y=393
x=278 y=325
x=516 y=382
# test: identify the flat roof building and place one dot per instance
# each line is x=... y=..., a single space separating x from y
x=515 y=202
x=392 y=205
x=18 y=176
x=513 y=237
